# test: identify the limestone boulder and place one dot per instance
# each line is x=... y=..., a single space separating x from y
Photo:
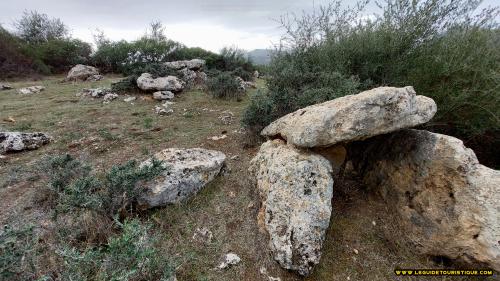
x=31 y=90
x=163 y=95
x=354 y=117
x=194 y=64
x=187 y=172
x=82 y=72
x=5 y=87
x=296 y=188
x=146 y=82
x=17 y=141
x=448 y=203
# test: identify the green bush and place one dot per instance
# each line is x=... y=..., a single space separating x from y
x=75 y=187
x=17 y=252
x=259 y=112
x=224 y=86
x=130 y=255
x=13 y=62
x=447 y=50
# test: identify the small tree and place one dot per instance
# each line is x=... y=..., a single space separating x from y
x=34 y=27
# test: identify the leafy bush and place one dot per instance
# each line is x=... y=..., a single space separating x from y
x=446 y=49
x=13 y=63
x=75 y=187
x=259 y=112
x=225 y=86
x=130 y=255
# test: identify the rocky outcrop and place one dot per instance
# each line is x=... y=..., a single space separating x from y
x=192 y=78
x=187 y=172
x=146 y=82
x=163 y=95
x=81 y=72
x=16 y=141
x=296 y=190
x=31 y=90
x=354 y=117
x=96 y=92
x=194 y=64
x=165 y=108
x=447 y=201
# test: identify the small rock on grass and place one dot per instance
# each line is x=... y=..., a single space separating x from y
x=230 y=259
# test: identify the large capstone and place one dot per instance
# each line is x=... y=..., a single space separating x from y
x=296 y=188
x=194 y=64
x=82 y=72
x=17 y=141
x=146 y=82
x=354 y=117
x=187 y=172
x=447 y=201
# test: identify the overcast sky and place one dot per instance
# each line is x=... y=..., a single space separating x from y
x=210 y=24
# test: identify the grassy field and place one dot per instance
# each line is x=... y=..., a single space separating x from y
x=108 y=134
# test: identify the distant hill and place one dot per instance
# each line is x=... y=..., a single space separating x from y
x=260 y=56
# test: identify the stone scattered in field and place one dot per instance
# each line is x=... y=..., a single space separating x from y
x=82 y=72
x=226 y=117
x=17 y=141
x=95 y=93
x=109 y=97
x=188 y=171
x=448 y=202
x=354 y=117
x=31 y=90
x=163 y=95
x=216 y=138
x=95 y=78
x=296 y=188
x=194 y=64
x=146 y=82
x=230 y=259
x=203 y=235
x=129 y=99
x=5 y=87
x=165 y=108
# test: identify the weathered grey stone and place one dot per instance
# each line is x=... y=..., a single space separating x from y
x=296 y=189
x=165 y=108
x=96 y=92
x=163 y=95
x=95 y=78
x=447 y=201
x=188 y=171
x=31 y=90
x=16 y=141
x=146 y=82
x=354 y=117
x=109 y=97
x=5 y=87
x=193 y=64
x=81 y=72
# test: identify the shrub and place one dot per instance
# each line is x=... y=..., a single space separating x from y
x=447 y=50
x=259 y=112
x=225 y=86
x=75 y=187
x=13 y=63
x=17 y=250
x=130 y=255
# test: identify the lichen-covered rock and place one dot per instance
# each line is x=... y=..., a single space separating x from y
x=81 y=72
x=354 y=117
x=296 y=188
x=146 y=82
x=96 y=92
x=16 y=141
x=31 y=90
x=448 y=202
x=109 y=97
x=194 y=64
x=163 y=95
x=188 y=171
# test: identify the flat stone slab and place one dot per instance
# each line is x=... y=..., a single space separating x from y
x=354 y=117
